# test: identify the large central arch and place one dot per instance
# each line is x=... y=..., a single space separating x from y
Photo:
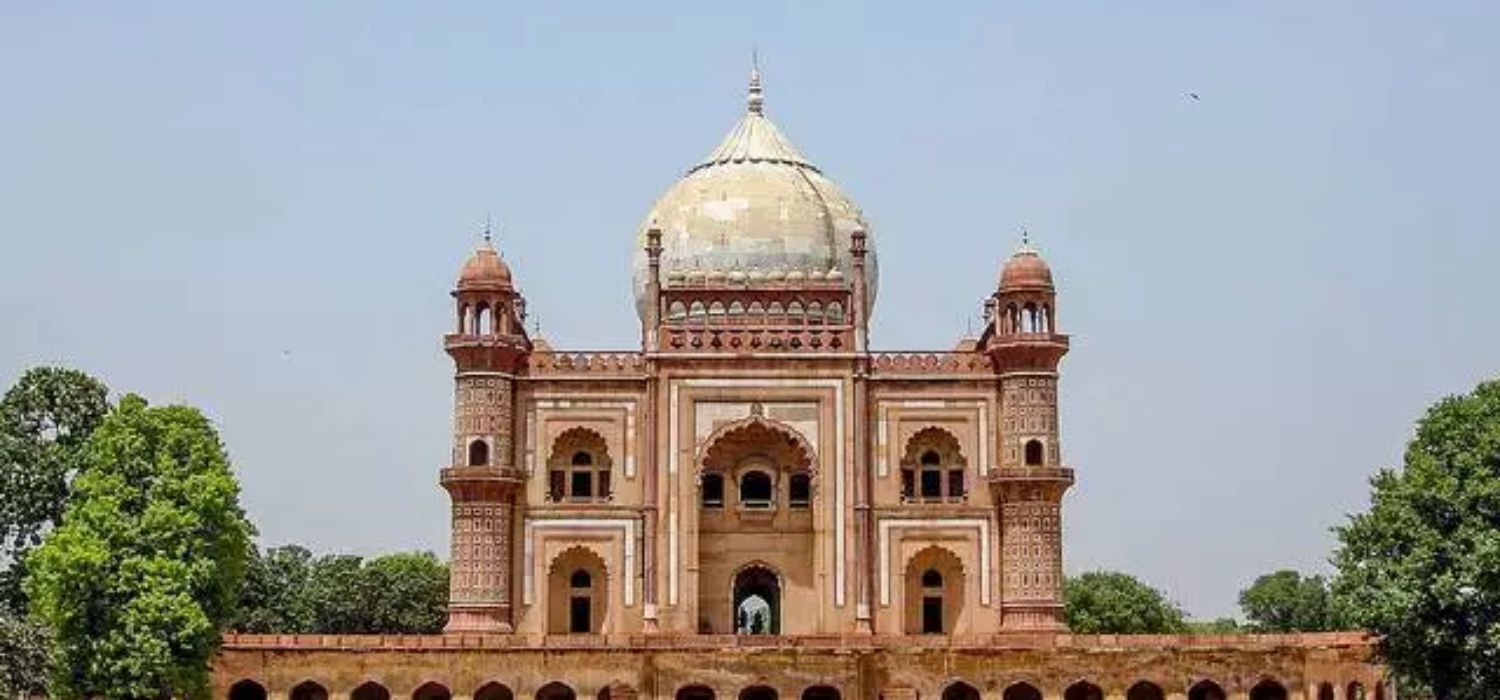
x=758 y=506
x=757 y=601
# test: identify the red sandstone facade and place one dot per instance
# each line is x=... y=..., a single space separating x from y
x=755 y=504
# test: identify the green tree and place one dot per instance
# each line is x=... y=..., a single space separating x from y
x=1108 y=602
x=145 y=568
x=45 y=422
x=1222 y=625
x=24 y=655
x=288 y=591
x=405 y=593
x=274 y=599
x=1286 y=601
x=1421 y=567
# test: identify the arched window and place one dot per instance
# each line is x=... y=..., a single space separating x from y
x=580 y=579
x=677 y=311
x=1268 y=690
x=756 y=490
x=1028 y=318
x=243 y=690
x=933 y=468
x=794 y=309
x=697 y=310
x=464 y=323
x=934 y=592
x=814 y=312
x=432 y=690
x=835 y=312
x=716 y=309
x=1022 y=691
x=774 y=309
x=1034 y=453
x=1012 y=319
x=1208 y=690
x=1083 y=690
x=756 y=309
x=579 y=468
x=713 y=490
x=1145 y=690
x=799 y=490
x=479 y=453
x=483 y=320
x=736 y=308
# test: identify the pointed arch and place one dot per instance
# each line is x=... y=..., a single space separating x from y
x=577 y=592
x=934 y=591
x=933 y=467
x=579 y=467
x=760 y=431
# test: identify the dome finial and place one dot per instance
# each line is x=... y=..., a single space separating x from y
x=488 y=223
x=757 y=100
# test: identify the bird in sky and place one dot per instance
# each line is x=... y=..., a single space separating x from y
x=1193 y=95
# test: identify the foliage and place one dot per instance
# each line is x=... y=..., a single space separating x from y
x=1108 y=602
x=1421 y=567
x=147 y=562
x=274 y=597
x=45 y=422
x=1286 y=601
x=24 y=655
x=1222 y=625
x=290 y=592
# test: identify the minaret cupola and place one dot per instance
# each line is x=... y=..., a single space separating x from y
x=490 y=331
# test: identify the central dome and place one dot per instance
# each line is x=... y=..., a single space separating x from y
x=755 y=208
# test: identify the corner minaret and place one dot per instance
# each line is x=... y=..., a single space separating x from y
x=489 y=348
x=1022 y=341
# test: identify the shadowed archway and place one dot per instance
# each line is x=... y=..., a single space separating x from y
x=1083 y=690
x=244 y=690
x=1022 y=691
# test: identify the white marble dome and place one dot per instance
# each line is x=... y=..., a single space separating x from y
x=755 y=204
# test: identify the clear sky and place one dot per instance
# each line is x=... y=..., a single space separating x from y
x=259 y=209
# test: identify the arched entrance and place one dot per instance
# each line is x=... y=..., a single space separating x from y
x=1206 y=690
x=821 y=692
x=1145 y=690
x=576 y=593
x=934 y=592
x=760 y=503
x=758 y=692
x=757 y=601
x=695 y=692
x=493 y=691
x=555 y=691
x=370 y=690
x=247 y=690
x=1022 y=691
x=960 y=690
x=1268 y=690
x=1083 y=690
x=309 y=690
x=432 y=690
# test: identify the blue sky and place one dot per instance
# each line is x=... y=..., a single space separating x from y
x=259 y=209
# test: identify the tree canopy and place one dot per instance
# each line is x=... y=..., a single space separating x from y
x=24 y=655
x=145 y=567
x=1421 y=567
x=1108 y=602
x=288 y=591
x=1286 y=601
x=46 y=419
